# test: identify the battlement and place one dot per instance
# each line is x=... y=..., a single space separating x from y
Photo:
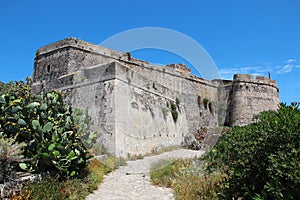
x=181 y=68
x=247 y=78
x=243 y=77
x=78 y=44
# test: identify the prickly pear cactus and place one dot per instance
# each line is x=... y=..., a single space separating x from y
x=46 y=125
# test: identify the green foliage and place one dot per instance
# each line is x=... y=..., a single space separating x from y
x=263 y=158
x=174 y=111
x=128 y=55
x=177 y=101
x=48 y=128
x=83 y=124
x=205 y=102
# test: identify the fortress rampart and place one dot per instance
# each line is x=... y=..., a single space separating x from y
x=133 y=103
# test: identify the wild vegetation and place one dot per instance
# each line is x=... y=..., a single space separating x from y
x=258 y=161
x=70 y=188
x=47 y=126
x=188 y=179
x=42 y=135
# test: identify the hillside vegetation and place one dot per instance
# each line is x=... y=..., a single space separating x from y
x=40 y=134
x=258 y=161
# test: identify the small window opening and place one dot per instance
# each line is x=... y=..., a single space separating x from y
x=48 y=69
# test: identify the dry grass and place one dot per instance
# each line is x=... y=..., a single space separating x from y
x=73 y=189
x=188 y=179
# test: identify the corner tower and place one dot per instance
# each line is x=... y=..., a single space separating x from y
x=249 y=96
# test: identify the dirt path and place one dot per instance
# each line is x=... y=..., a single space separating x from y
x=132 y=182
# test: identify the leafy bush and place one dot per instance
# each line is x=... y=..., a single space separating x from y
x=263 y=158
x=46 y=125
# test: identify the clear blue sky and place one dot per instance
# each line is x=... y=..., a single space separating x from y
x=241 y=36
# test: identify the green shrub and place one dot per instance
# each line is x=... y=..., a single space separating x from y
x=263 y=158
x=177 y=101
x=46 y=125
x=205 y=102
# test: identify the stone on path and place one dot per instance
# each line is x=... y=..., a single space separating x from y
x=132 y=182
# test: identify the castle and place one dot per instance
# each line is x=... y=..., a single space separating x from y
x=137 y=106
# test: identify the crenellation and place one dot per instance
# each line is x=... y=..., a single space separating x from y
x=249 y=97
x=79 y=45
x=129 y=99
x=181 y=68
x=243 y=77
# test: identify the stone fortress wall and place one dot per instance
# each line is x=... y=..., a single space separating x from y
x=131 y=101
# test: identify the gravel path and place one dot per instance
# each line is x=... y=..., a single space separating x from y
x=132 y=182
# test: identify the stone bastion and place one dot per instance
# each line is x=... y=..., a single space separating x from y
x=137 y=107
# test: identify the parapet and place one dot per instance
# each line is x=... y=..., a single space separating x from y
x=263 y=80
x=243 y=77
x=181 y=68
x=79 y=44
